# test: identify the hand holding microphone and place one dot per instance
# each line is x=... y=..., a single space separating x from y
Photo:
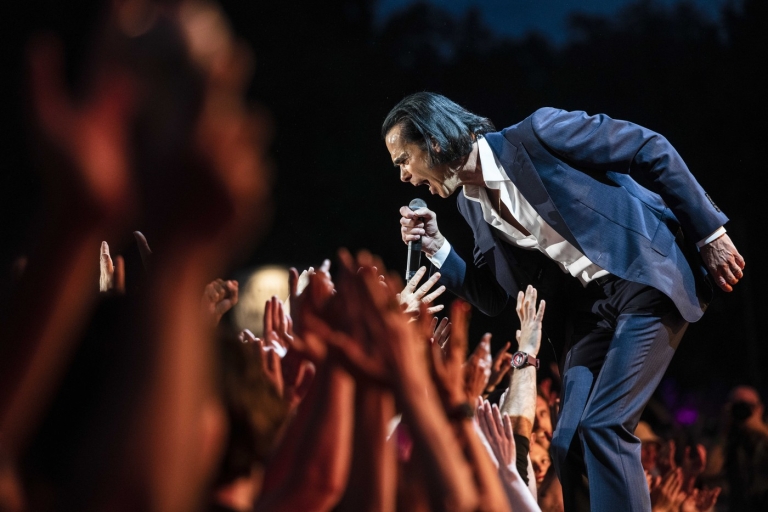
x=420 y=225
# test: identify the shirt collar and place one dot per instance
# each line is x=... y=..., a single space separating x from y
x=491 y=168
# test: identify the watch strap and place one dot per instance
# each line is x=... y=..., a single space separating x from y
x=523 y=359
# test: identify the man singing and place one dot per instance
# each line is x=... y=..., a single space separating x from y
x=605 y=209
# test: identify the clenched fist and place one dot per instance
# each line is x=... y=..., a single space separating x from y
x=421 y=224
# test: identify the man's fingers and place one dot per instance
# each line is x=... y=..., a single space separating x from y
x=223 y=306
x=725 y=271
x=106 y=259
x=248 y=336
x=739 y=260
x=435 y=309
x=503 y=350
x=293 y=281
x=428 y=284
x=268 y=316
x=421 y=212
x=414 y=281
x=508 y=428
x=722 y=282
x=432 y=296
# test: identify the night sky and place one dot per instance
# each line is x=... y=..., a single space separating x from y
x=516 y=18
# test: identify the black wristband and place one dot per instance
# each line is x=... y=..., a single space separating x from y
x=463 y=411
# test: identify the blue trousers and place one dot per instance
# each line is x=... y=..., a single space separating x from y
x=623 y=336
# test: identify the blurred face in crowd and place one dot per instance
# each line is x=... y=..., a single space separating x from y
x=540 y=461
x=649 y=452
x=416 y=168
x=543 y=420
x=748 y=395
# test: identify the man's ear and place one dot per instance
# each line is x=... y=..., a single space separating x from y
x=435 y=146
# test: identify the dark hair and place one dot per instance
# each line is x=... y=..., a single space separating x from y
x=429 y=119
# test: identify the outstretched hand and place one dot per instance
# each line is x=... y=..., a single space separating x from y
x=723 y=262
x=441 y=331
x=529 y=335
x=666 y=492
x=477 y=369
x=497 y=429
x=447 y=369
x=411 y=297
x=501 y=365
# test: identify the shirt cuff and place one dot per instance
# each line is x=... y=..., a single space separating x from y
x=441 y=255
x=711 y=238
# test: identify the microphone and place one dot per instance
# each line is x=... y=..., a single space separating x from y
x=414 y=246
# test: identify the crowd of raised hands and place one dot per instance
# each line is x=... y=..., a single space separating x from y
x=381 y=398
x=672 y=486
x=355 y=396
x=368 y=400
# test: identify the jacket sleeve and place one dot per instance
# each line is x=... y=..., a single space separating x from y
x=474 y=283
x=599 y=142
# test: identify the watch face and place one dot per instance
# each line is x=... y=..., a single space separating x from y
x=518 y=359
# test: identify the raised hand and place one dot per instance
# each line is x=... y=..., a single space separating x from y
x=499 y=368
x=372 y=333
x=477 y=369
x=723 y=262
x=90 y=133
x=411 y=297
x=529 y=335
x=706 y=499
x=448 y=371
x=219 y=297
x=421 y=224
x=694 y=463
x=276 y=326
x=111 y=276
x=497 y=429
x=309 y=291
x=269 y=359
x=667 y=495
x=441 y=331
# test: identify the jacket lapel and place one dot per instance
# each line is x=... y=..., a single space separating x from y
x=518 y=166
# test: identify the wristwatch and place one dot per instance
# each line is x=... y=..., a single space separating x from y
x=523 y=359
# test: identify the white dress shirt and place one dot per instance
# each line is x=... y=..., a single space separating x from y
x=542 y=237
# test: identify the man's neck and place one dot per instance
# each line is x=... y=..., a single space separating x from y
x=471 y=169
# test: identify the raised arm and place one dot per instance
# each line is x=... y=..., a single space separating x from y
x=520 y=400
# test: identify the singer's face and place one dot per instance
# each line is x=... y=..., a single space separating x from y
x=415 y=167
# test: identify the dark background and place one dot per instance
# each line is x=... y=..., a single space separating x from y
x=328 y=72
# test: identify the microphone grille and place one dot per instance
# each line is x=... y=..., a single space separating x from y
x=417 y=203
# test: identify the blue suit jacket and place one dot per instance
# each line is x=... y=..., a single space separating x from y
x=583 y=175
